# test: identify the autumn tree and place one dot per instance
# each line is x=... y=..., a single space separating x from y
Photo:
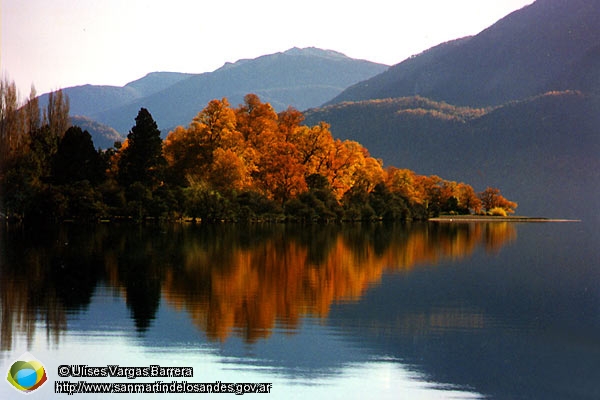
x=283 y=176
x=403 y=183
x=211 y=128
x=56 y=115
x=468 y=201
x=341 y=162
x=257 y=121
x=370 y=174
x=491 y=198
x=229 y=171
x=32 y=118
x=289 y=121
x=273 y=157
x=180 y=150
x=314 y=144
x=211 y=149
x=11 y=132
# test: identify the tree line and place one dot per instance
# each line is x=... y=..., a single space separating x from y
x=229 y=164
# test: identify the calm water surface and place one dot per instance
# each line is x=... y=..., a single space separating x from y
x=420 y=311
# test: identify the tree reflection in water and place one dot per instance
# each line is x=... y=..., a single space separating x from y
x=228 y=278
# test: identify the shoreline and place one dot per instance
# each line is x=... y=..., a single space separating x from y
x=489 y=218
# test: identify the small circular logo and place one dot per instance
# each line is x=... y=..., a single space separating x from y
x=26 y=374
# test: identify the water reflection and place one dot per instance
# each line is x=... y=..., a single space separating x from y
x=230 y=280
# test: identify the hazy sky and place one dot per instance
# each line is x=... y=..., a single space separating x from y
x=59 y=43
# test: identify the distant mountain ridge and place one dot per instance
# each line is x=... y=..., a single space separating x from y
x=528 y=52
x=302 y=78
x=89 y=99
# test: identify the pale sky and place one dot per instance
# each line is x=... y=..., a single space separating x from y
x=60 y=43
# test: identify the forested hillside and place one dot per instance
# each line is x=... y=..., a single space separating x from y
x=542 y=150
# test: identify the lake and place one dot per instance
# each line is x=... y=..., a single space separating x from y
x=417 y=311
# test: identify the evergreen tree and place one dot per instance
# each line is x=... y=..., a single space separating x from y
x=142 y=159
x=76 y=159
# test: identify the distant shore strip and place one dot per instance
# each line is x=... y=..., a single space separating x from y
x=490 y=218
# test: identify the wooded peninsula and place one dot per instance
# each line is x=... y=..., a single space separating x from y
x=245 y=163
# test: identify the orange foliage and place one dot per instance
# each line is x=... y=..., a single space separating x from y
x=491 y=198
x=403 y=182
x=114 y=159
x=228 y=171
x=425 y=190
x=467 y=198
x=253 y=148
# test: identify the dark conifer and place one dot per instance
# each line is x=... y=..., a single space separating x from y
x=76 y=159
x=142 y=160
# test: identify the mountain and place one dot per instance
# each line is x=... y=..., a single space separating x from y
x=529 y=116
x=527 y=53
x=301 y=78
x=103 y=136
x=582 y=74
x=541 y=152
x=155 y=82
x=89 y=99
